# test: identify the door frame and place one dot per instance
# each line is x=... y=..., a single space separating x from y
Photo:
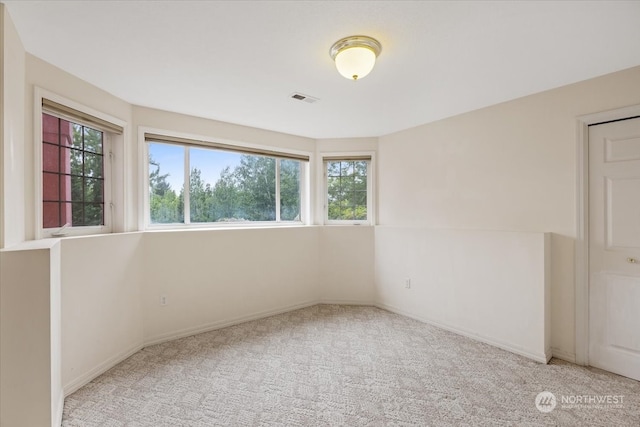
x=582 y=223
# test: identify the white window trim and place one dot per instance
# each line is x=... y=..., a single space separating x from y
x=110 y=179
x=371 y=187
x=143 y=207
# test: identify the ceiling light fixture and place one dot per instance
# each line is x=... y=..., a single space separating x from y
x=355 y=56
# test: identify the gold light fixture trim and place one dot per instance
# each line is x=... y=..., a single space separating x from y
x=355 y=56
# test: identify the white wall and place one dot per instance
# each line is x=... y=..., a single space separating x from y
x=506 y=167
x=346 y=252
x=492 y=286
x=55 y=353
x=213 y=278
x=12 y=138
x=30 y=392
x=220 y=130
x=347 y=265
x=102 y=278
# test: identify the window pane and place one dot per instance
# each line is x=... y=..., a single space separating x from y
x=77 y=188
x=50 y=157
x=65 y=160
x=50 y=129
x=77 y=213
x=347 y=190
x=214 y=194
x=65 y=188
x=93 y=214
x=228 y=187
x=51 y=215
x=223 y=186
x=333 y=169
x=92 y=165
x=50 y=186
x=93 y=190
x=166 y=182
x=72 y=176
x=334 y=193
x=66 y=214
x=256 y=180
x=92 y=140
x=290 y=190
x=346 y=168
x=71 y=134
x=360 y=198
x=75 y=162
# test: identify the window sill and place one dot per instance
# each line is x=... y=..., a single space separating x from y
x=50 y=233
x=223 y=226
x=354 y=223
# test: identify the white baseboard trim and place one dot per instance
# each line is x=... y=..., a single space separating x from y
x=564 y=355
x=98 y=370
x=346 y=302
x=548 y=354
x=57 y=420
x=170 y=336
x=538 y=357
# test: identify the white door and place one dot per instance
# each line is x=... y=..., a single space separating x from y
x=614 y=247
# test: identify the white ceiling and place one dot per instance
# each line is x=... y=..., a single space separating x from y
x=239 y=61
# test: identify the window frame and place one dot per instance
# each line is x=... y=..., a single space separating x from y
x=368 y=156
x=200 y=141
x=110 y=140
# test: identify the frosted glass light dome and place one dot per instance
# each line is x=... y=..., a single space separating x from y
x=355 y=56
x=355 y=62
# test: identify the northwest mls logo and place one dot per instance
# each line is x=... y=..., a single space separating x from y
x=546 y=401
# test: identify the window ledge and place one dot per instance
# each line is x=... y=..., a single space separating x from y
x=225 y=226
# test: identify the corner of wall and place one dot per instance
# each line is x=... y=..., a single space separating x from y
x=12 y=84
x=547 y=296
x=55 y=295
x=2 y=14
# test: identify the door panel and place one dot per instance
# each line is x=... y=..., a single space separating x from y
x=622 y=149
x=614 y=247
x=622 y=292
x=623 y=207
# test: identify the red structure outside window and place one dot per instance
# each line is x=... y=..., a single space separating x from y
x=72 y=174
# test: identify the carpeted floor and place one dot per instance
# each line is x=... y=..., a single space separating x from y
x=331 y=365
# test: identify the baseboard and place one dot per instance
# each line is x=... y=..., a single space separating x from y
x=170 y=336
x=98 y=370
x=57 y=420
x=542 y=358
x=111 y=362
x=563 y=355
x=346 y=302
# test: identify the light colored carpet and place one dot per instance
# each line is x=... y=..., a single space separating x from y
x=331 y=365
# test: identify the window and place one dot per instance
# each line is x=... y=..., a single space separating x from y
x=73 y=179
x=73 y=158
x=192 y=182
x=348 y=189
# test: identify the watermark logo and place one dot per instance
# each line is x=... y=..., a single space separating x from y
x=546 y=401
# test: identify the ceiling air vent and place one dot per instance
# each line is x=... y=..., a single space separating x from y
x=302 y=97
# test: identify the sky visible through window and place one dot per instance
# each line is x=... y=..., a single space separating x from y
x=209 y=162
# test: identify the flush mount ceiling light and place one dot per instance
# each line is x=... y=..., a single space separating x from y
x=355 y=56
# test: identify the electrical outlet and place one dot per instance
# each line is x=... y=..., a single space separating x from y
x=163 y=300
x=407 y=283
